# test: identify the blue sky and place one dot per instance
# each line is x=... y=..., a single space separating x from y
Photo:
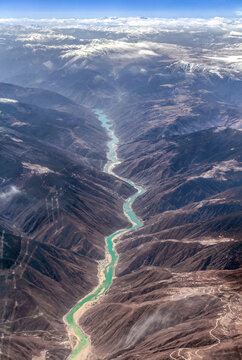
x=89 y=8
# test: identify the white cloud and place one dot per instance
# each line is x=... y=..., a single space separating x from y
x=229 y=59
x=47 y=34
x=147 y=52
x=10 y=193
x=131 y=23
x=236 y=34
x=144 y=327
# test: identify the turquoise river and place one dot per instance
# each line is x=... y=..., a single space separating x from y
x=111 y=254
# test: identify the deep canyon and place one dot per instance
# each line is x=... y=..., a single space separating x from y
x=171 y=95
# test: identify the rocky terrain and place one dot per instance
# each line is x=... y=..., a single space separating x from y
x=172 y=90
x=52 y=231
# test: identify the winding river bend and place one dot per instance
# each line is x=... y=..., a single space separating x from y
x=106 y=267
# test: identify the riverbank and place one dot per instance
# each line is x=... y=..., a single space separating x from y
x=80 y=342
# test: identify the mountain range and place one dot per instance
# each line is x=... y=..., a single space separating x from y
x=172 y=90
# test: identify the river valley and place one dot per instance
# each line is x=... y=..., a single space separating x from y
x=80 y=341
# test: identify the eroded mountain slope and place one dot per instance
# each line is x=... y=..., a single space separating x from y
x=53 y=200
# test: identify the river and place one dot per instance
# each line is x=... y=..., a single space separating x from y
x=106 y=268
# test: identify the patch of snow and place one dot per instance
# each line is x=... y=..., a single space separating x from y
x=48 y=64
x=167 y=85
x=212 y=241
x=38 y=37
x=100 y=47
x=220 y=128
x=208 y=241
x=36 y=168
x=219 y=170
x=193 y=67
x=19 y=123
x=42 y=356
x=15 y=139
x=209 y=202
x=8 y=101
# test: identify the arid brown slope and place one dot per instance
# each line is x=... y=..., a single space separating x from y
x=177 y=291
x=39 y=284
x=56 y=207
x=175 y=98
x=161 y=314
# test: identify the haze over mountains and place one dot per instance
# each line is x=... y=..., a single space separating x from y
x=173 y=91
